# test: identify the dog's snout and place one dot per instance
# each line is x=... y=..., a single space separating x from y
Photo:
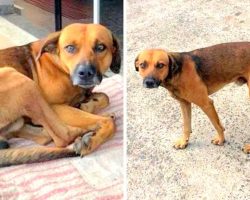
x=150 y=82
x=86 y=72
x=86 y=75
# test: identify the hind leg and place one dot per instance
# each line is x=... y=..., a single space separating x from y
x=6 y=132
x=36 y=134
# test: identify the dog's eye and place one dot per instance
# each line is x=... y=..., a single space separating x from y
x=100 y=48
x=143 y=65
x=70 y=49
x=160 y=65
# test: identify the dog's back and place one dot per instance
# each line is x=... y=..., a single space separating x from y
x=19 y=58
x=221 y=64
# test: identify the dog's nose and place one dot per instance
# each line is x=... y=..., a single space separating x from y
x=86 y=72
x=149 y=83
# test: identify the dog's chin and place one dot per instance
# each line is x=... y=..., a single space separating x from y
x=84 y=84
x=87 y=86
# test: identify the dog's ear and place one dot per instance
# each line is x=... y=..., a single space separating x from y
x=135 y=63
x=49 y=44
x=116 y=59
x=175 y=64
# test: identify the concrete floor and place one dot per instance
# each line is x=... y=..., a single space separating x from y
x=202 y=171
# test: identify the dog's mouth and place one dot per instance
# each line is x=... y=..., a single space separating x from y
x=87 y=83
x=150 y=82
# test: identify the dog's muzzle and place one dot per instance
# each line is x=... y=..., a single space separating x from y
x=86 y=76
x=150 y=82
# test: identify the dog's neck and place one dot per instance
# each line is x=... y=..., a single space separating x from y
x=175 y=65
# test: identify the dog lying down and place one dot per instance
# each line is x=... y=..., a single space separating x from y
x=50 y=82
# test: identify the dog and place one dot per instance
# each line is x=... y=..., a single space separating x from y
x=46 y=93
x=191 y=77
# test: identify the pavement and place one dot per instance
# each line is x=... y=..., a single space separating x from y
x=202 y=170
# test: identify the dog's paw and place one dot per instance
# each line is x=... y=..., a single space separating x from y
x=83 y=145
x=218 y=141
x=181 y=144
x=246 y=148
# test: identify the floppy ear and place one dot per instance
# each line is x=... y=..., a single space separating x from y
x=116 y=60
x=49 y=45
x=135 y=63
x=175 y=65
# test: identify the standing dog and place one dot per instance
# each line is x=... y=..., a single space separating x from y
x=191 y=77
x=49 y=83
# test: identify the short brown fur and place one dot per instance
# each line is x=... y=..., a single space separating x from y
x=36 y=85
x=191 y=77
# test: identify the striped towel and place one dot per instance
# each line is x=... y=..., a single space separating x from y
x=96 y=176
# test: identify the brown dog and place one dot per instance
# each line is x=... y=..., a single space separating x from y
x=191 y=77
x=49 y=83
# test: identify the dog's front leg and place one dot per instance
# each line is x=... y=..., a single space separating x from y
x=208 y=108
x=246 y=148
x=98 y=128
x=186 y=114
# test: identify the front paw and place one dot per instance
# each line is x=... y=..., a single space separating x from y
x=218 y=140
x=246 y=148
x=181 y=143
x=83 y=145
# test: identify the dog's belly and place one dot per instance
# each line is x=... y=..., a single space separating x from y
x=216 y=82
x=215 y=87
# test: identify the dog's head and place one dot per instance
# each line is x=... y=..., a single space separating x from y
x=85 y=52
x=155 y=66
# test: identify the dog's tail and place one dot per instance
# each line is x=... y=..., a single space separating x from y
x=34 y=154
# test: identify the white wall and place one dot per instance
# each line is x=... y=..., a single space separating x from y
x=6 y=2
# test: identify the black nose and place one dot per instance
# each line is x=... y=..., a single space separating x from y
x=150 y=82
x=86 y=72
